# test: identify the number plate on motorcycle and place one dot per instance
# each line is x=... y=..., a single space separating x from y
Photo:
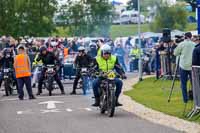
x=111 y=75
x=83 y=69
x=146 y=58
x=5 y=70
x=50 y=69
x=5 y=76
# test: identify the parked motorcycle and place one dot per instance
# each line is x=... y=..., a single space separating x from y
x=146 y=62
x=84 y=83
x=9 y=82
x=49 y=79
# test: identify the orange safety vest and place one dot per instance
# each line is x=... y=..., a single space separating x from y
x=66 y=52
x=22 y=66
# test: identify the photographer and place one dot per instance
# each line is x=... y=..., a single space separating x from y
x=185 y=50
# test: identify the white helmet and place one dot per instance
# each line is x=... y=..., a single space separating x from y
x=81 y=48
x=54 y=44
x=106 y=49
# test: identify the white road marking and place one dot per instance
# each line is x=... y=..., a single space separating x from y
x=51 y=104
x=19 y=112
x=50 y=111
x=88 y=109
x=16 y=99
x=24 y=112
x=69 y=110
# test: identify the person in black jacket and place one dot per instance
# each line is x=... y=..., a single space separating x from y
x=48 y=58
x=82 y=61
x=196 y=53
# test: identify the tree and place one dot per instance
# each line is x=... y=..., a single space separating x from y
x=88 y=17
x=165 y=19
x=27 y=17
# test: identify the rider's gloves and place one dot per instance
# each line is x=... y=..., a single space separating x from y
x=124 y=76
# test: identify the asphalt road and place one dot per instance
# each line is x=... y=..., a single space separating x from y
x=67 y=114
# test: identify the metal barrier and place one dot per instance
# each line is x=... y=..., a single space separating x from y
x=196 y=90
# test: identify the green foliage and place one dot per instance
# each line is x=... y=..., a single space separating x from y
x=88 y=17
x=173 y=17
x=27 y=17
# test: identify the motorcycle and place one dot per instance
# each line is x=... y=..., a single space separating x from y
x=9 y=82
x=107 y=91
x=146 y=62
x=84 y=83
x=49 y=79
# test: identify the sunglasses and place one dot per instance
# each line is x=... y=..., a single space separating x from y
x=106 y=53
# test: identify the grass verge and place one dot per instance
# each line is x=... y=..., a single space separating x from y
x=154 y=94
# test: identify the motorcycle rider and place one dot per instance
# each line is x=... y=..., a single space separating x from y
x=82 y=60
x=48 y=58
x=105 y=63
x=7 y=61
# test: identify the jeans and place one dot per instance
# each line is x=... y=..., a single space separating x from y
x=134 y=65
x=122 y=63
x=184 y=78
x=97 y=82
x=27 y=82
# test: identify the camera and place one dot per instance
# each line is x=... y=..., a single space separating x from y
x=179 y=39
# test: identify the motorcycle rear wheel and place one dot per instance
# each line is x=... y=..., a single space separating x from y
x=111 y=103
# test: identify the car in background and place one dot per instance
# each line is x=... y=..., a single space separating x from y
x=129 y=17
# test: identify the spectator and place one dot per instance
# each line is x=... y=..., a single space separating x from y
x=185 y=50
x=196 y=53
x=120 y=53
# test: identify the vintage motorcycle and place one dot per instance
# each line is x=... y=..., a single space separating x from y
x=107 y=91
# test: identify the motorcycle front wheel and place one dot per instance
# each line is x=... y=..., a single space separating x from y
x=8 y=88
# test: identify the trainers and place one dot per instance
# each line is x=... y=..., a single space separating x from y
x=118 y=104
x=32 y=97
x=33 y=86
x=73 y=93
x=63 y=92
x=21 y=98
x=97 y=102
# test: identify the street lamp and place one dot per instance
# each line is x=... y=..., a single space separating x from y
x=139 y=38
x=198 y=14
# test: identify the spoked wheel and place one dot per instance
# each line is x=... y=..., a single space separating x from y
x=8 y=89
x=102 y=104
x=49 y=87
x=111 y=103
x=102 y=107
x=84 y=85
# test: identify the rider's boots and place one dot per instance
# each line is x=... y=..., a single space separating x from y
x=97 y=102
x=117 y=102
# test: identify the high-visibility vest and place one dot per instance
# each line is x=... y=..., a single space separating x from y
x=66 y=52
x=35 y=62
x=136 y=53
x=99 y=52
x=22 y=66
x=106 y=65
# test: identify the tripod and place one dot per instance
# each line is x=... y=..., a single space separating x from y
x=173 y=81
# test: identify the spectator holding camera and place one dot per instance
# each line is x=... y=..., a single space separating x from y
x=185 y=50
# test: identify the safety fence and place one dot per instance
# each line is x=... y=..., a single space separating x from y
x=196 y=90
